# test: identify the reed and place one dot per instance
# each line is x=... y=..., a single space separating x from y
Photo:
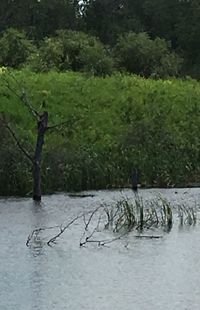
x=138 y=215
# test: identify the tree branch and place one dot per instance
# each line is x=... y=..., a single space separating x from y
x=57 y=125
x=62 y=230
x=22 y=97
x=26 y=102
x=24 y=151
x=35 y=233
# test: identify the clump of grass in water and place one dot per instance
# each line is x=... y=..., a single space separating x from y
x=187 y=216
x=127 y=215
x=134 y=214
x=124 y=216
x=163 y=213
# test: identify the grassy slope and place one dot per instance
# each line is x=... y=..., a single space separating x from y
x=113 y=125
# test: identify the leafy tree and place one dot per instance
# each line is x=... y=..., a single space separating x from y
x=39 y=18
x=107 y=19
x=96 y=60
x=161 y=17
x=14 y=48
x=71 y=50
x=49 y=56
x=139 y=54
x=188 y=29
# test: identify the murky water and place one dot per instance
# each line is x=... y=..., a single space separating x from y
x=140 y=274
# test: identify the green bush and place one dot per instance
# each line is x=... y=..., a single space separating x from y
x=71 y=50
x=137 y=53
x=48 y=57
x=14 y=48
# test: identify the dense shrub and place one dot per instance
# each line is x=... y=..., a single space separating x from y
x=71 y=50
x=139 y=54
x=78 y=51
x=14 y=48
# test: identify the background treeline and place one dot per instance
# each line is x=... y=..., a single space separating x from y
x=112 y=125
x=148 y=37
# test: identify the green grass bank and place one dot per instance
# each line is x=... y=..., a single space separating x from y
x=112 y=125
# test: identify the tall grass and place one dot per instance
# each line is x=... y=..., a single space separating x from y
x=112 y=125
x=135 y=214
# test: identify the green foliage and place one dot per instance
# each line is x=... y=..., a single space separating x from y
x=112 y=125
x=187 y=30
x=70 y=50
x=15 y=173
x=48 y=57
x=96 y=60
x=176 y=21
x=14 y=48
x=39 y=18
x=107 y=19
x=138 y=54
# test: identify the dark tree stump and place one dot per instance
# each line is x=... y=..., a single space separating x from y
x=42 y=127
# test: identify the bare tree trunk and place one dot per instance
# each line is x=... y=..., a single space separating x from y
x=42 y=127
x=135 y=179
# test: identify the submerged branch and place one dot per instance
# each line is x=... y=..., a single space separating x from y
x=36 y=231
x=62 y=230
x=95 y=229
x=123 y=218
x=102 y=242
x=148 y=237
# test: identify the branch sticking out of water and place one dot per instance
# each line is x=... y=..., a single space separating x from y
x=34 y=234
x=62 y=230
x=121 y=218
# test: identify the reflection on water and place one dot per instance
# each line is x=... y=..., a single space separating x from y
x=130 y=274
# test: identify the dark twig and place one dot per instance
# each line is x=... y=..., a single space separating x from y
x=103 y=242
x=36 y=231
x=62 y=230
x=22 y=97
x=87 y=223
x=92 y=233
x=27 y=103
x=57 y=125
x=148 y=237
x=91 y=216
x=20 y=146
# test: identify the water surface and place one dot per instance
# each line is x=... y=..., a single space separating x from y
x=140 y=274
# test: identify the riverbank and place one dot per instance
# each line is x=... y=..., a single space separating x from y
x=112 y=125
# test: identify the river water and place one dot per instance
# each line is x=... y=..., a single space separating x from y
x=140 y=274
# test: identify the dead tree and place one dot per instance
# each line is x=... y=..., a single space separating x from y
x=41 y=130
x=41 y=120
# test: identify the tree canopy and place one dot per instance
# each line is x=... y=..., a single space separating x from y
x=175 y=21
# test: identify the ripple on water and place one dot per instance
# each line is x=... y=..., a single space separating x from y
x=130 y=274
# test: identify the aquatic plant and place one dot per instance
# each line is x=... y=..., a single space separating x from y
x=135 y=216
x=187 y=215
